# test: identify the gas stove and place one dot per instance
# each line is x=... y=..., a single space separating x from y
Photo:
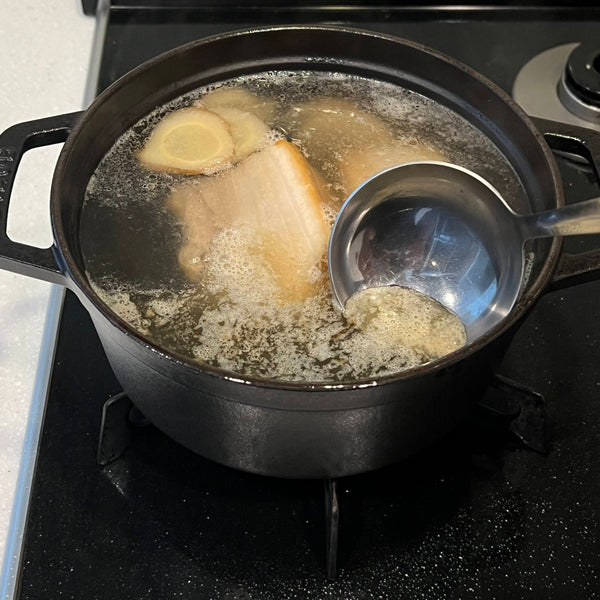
x=504 y=507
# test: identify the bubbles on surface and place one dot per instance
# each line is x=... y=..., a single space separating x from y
x=231 y=318
x=404 y=318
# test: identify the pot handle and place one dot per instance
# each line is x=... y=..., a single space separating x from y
x=40 y=263
x=573 y=269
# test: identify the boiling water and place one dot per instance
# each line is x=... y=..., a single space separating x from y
x=230 y=319
x=401 y=317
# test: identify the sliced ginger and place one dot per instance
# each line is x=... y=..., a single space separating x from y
x=190 y=140
x=249 y=133
x=240 y=98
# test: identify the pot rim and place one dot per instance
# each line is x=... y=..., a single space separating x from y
x=78 y=282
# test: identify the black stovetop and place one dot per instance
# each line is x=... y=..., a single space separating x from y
x=479 y=515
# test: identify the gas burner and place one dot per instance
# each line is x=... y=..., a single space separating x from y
x=579 y=87
x=562 y=84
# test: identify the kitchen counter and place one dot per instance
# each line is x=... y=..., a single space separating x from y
x=46 y=50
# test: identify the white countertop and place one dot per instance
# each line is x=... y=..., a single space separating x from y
x=45 y=49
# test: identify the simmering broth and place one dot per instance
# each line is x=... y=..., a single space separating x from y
x=160 y=254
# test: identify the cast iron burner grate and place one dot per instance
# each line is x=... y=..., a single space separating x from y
x=507 y=408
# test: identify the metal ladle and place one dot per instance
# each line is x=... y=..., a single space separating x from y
x=444 y=231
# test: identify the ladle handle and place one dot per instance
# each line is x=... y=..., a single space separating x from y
x=575 y=219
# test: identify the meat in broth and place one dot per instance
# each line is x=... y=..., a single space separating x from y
x=216 y=250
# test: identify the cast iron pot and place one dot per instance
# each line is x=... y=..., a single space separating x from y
x=286 y=430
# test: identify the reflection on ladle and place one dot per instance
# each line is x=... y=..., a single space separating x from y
x=444 y=231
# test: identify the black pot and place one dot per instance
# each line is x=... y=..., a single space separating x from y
x=287 y=430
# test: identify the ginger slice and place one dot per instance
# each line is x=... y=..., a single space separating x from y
x=240 y=98
x=190 y=140
x=248 y=131
x=274 y=194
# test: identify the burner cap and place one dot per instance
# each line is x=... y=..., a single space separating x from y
x=541 y=90
x=579 y=86
x=582 y=73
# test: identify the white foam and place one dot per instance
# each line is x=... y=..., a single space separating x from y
x=232 y=319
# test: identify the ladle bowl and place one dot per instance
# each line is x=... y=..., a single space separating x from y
x=444 y=231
